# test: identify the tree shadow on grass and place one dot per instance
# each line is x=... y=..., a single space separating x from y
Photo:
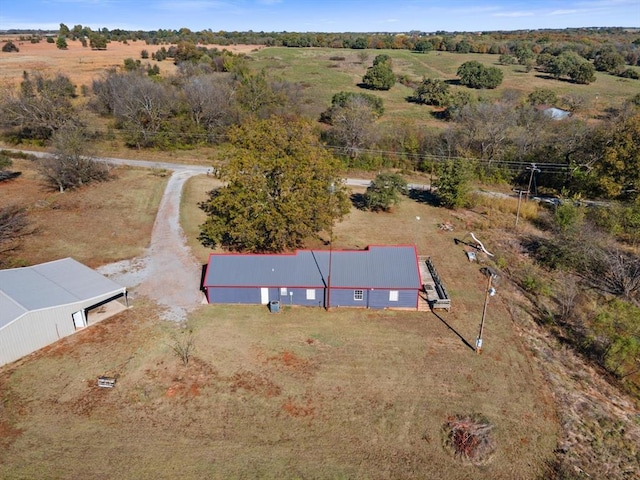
x=357 y=200
x=454 y=331
x=424 y=196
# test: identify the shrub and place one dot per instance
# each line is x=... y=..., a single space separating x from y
x=10 y=47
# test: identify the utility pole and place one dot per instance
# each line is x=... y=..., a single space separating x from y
x=416 y=232
x=520 y=192
x=491 y=275
x=533 y=170
x=332 y=189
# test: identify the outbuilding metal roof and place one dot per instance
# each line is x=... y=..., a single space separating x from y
x=60 y=282
x=375 y=267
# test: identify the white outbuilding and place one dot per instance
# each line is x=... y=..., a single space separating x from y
x=43 y=303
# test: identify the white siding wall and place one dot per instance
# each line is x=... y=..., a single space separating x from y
x=37 y=329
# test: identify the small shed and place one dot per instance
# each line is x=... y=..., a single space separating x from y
x=380 y=276
x=43 y=303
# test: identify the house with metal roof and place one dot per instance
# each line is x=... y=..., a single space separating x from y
x=376 y=277
x=43 y=303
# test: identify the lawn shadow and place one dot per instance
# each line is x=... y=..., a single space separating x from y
x=424 y=196
x=454 y=331
x=357 y=200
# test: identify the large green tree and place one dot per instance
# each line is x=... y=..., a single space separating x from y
x=384 y=191
x=380 y=76
x=452 y=185
x=432 y=91
x=475 y=75
x=282 y=187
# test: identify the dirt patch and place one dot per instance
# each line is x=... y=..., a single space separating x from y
x=252 y=382
x=287 y=361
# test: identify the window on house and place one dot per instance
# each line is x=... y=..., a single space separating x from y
x=311 y=294
x=358 y=295
x=393 y=295
x=283 y=290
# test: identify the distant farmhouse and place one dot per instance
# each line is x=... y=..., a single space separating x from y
x=43 y=303
x=376 y=277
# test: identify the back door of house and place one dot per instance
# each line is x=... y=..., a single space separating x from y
x=264 y=296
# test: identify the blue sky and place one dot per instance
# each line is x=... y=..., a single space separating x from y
x=321 y=15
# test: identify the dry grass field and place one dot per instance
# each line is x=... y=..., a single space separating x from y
x=104 y=223
x=301 y=394
x=80 y=63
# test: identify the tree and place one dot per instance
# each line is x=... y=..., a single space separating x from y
x=475 y=75
x=422 y=46
x=432 y=91
x=40 y=107
x=353 y=126
x=70 y=166
x=341 y=99
x=97 y=41
x=384 y=191
x=380 y=76
x=211 y=100
x=608 y=61
x=140 y=105
x=61 y=43
x=64 y=31
x=14 y=226
x=282 y=188
x=618 y=148
x=452 y=184
x=583 y=73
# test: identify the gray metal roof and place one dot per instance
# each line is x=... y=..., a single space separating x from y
x=375 y=267
x=60 y=282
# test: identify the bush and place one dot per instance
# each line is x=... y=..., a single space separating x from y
x=10 y=47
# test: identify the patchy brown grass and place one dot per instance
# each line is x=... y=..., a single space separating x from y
x=95 y=225
x=366 y=398
x=305 y=393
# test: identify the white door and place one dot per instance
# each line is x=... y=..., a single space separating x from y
x=264 y=296
x=78 y=319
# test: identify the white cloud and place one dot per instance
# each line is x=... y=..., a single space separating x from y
x=566 y=12
x=192 y=5
x=514 y=14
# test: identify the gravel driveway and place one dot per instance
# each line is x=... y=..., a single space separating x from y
x=167 y=272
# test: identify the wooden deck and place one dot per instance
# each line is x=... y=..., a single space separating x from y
x=434 y=292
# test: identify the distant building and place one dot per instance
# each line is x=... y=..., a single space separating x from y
x=377 y=277
x=43 y=303
x=553 y=112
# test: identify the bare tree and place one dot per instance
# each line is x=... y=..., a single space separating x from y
x=14 y=226
x=142 y=108
x=71 y=165
x=567 y=292
x=617 y=272
x=211 y=101
x=353 y=126
x=40 y=107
